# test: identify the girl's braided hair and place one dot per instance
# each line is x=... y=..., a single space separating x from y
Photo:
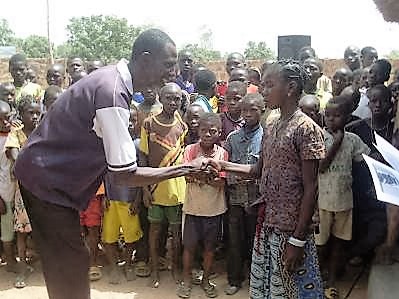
x=291 y=70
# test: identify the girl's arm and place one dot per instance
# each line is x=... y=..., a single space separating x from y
x=247 y=170
x=309 y=199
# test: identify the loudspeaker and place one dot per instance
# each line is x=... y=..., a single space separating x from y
x=289 y=45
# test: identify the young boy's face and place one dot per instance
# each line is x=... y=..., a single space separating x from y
x=233 y=100
x=239 y=75
x=369 y=58
x=234 y=62
x=5 y=123
x=251 y=111
x=31 y=115
x=192 y=118
x=55 y=77
x=339 y=82
x=50 y=100
x=7 y=93
x=378 y=105
x=75 y=66
x=310 y=107
x=31 y=76
x=364 y=78
x=376 y=75
x=352 y=58
x=18 y=72
x=209 y=133
x=335 y=117
x=149 y=95
x=313 y=69
x=171 y=100
x=185 y=63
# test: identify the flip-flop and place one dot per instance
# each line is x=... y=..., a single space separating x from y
x=183 y=291
x=331 y=293
x=209 y=289
x=142 y=269
x=20 y=280
x=95 y=273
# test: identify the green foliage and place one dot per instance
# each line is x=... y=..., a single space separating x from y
x=34 y=46
x=104 y=37
x=258 y=51
x=6 y=34
x=202 y=54
x=393 y=55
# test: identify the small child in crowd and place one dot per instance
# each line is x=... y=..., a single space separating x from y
x=192 y=118
x=29 y=112
x=242 y=75
x=50 y=96
x=149 y=107
x=243 y=146
x=335 y=188
x=8 y=190
x=341 y=79
x=205 y=84
x=161 y=145
x=231 y=119
x=121 y=214
x=310 y=105
x=7 y=94
x=204 y=206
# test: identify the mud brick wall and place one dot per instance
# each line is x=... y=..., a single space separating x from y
x=41 y=65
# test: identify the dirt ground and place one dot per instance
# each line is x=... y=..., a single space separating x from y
x=139 y=289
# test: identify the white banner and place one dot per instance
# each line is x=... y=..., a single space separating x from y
x=385 y=179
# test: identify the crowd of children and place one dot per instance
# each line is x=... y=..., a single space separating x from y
x=293 y=134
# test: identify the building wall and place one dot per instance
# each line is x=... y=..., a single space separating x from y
x=41 y=65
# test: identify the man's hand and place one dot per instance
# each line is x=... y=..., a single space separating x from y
x=292 y=257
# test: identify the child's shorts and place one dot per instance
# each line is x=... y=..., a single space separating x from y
x=339 y=224
x=7 y=223
x=91 y=217
x=117 y=216
x=202 y=228
x=157 y=214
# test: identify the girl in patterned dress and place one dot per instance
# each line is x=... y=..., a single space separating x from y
x=29 y=111
x=284 y=259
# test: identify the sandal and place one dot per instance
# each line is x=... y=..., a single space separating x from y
x=20 y=280
x=129 y=272
x=142 y=269
x=209 y=289
x=183 y=291
x=95 y=273
x=197 y=276
x=331 y=293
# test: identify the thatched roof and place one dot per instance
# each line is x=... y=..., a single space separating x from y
x=389 y=9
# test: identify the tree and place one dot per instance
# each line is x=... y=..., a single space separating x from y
x=6 y=34
x=393 y=55
x=258 y=51
x=101 y=37
x=34 y=46
x=202 y=54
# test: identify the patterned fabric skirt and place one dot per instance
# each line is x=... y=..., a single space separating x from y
x=269 y=280
x=21 y=219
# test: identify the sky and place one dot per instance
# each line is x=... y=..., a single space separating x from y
x=332 y=24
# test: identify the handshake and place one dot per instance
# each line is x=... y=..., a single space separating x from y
x=204 y=169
